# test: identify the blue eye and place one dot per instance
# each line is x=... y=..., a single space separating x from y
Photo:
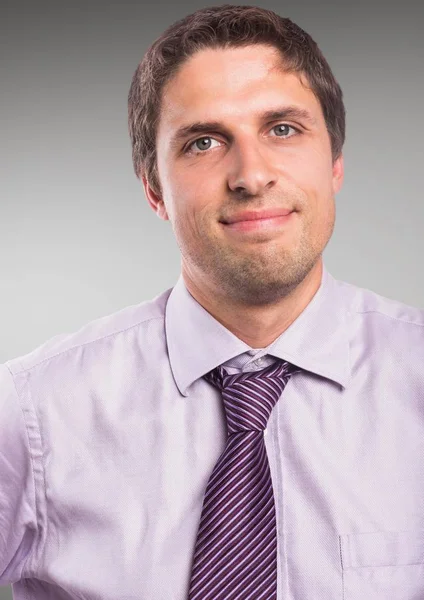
x=200 y=140
x=283 y=125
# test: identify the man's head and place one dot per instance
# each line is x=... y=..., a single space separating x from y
x=227 y=76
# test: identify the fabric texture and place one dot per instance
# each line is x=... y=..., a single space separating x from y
x=109 y=434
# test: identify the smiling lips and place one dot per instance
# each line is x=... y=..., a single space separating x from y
x=251 y=215
x=266 y=220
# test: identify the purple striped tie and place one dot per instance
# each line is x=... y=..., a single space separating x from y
x=235 y=557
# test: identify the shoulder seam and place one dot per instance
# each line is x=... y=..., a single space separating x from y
x=23 y=370
x=378 y=312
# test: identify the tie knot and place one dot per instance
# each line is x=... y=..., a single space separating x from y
x=250 y=397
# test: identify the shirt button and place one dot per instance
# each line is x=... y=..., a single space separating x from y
x=259 y=361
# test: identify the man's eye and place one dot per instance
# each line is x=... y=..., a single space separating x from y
x=201 y=146
x=206 y=146
x=285 y=126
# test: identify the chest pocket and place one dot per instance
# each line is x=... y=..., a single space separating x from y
x=382 y=565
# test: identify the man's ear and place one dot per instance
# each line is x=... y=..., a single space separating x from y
x=155 y=200
x=338 y=174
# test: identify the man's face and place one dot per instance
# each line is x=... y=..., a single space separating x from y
x=246 y=161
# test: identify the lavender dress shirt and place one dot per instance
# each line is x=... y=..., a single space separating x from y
x=108 y=436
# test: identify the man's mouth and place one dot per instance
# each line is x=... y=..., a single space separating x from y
x=273 y=223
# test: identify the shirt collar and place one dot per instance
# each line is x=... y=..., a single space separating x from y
x=316 y=341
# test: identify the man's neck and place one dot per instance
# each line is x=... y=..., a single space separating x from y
x=258 y=326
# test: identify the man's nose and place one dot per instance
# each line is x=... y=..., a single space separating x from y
x=251 y=168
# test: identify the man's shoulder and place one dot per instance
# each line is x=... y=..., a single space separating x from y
x=381 y=319
x=95 y=332
x=366 y=301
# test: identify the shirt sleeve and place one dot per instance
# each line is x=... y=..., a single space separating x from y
x=18 y=523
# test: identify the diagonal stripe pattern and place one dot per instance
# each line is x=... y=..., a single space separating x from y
x=235 y=556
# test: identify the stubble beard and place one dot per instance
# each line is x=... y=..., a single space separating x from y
x=261 y=278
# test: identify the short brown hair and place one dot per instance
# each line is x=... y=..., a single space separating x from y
x=225 y=26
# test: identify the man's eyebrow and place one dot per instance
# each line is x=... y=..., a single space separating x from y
x=286 y=112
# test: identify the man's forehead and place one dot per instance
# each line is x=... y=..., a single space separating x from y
x=233 y=61
x=233 y=87
x=224 y=70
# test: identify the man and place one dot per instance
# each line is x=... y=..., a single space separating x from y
x=256 y=431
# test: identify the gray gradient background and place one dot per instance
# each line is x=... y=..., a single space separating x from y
x=78 y=239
